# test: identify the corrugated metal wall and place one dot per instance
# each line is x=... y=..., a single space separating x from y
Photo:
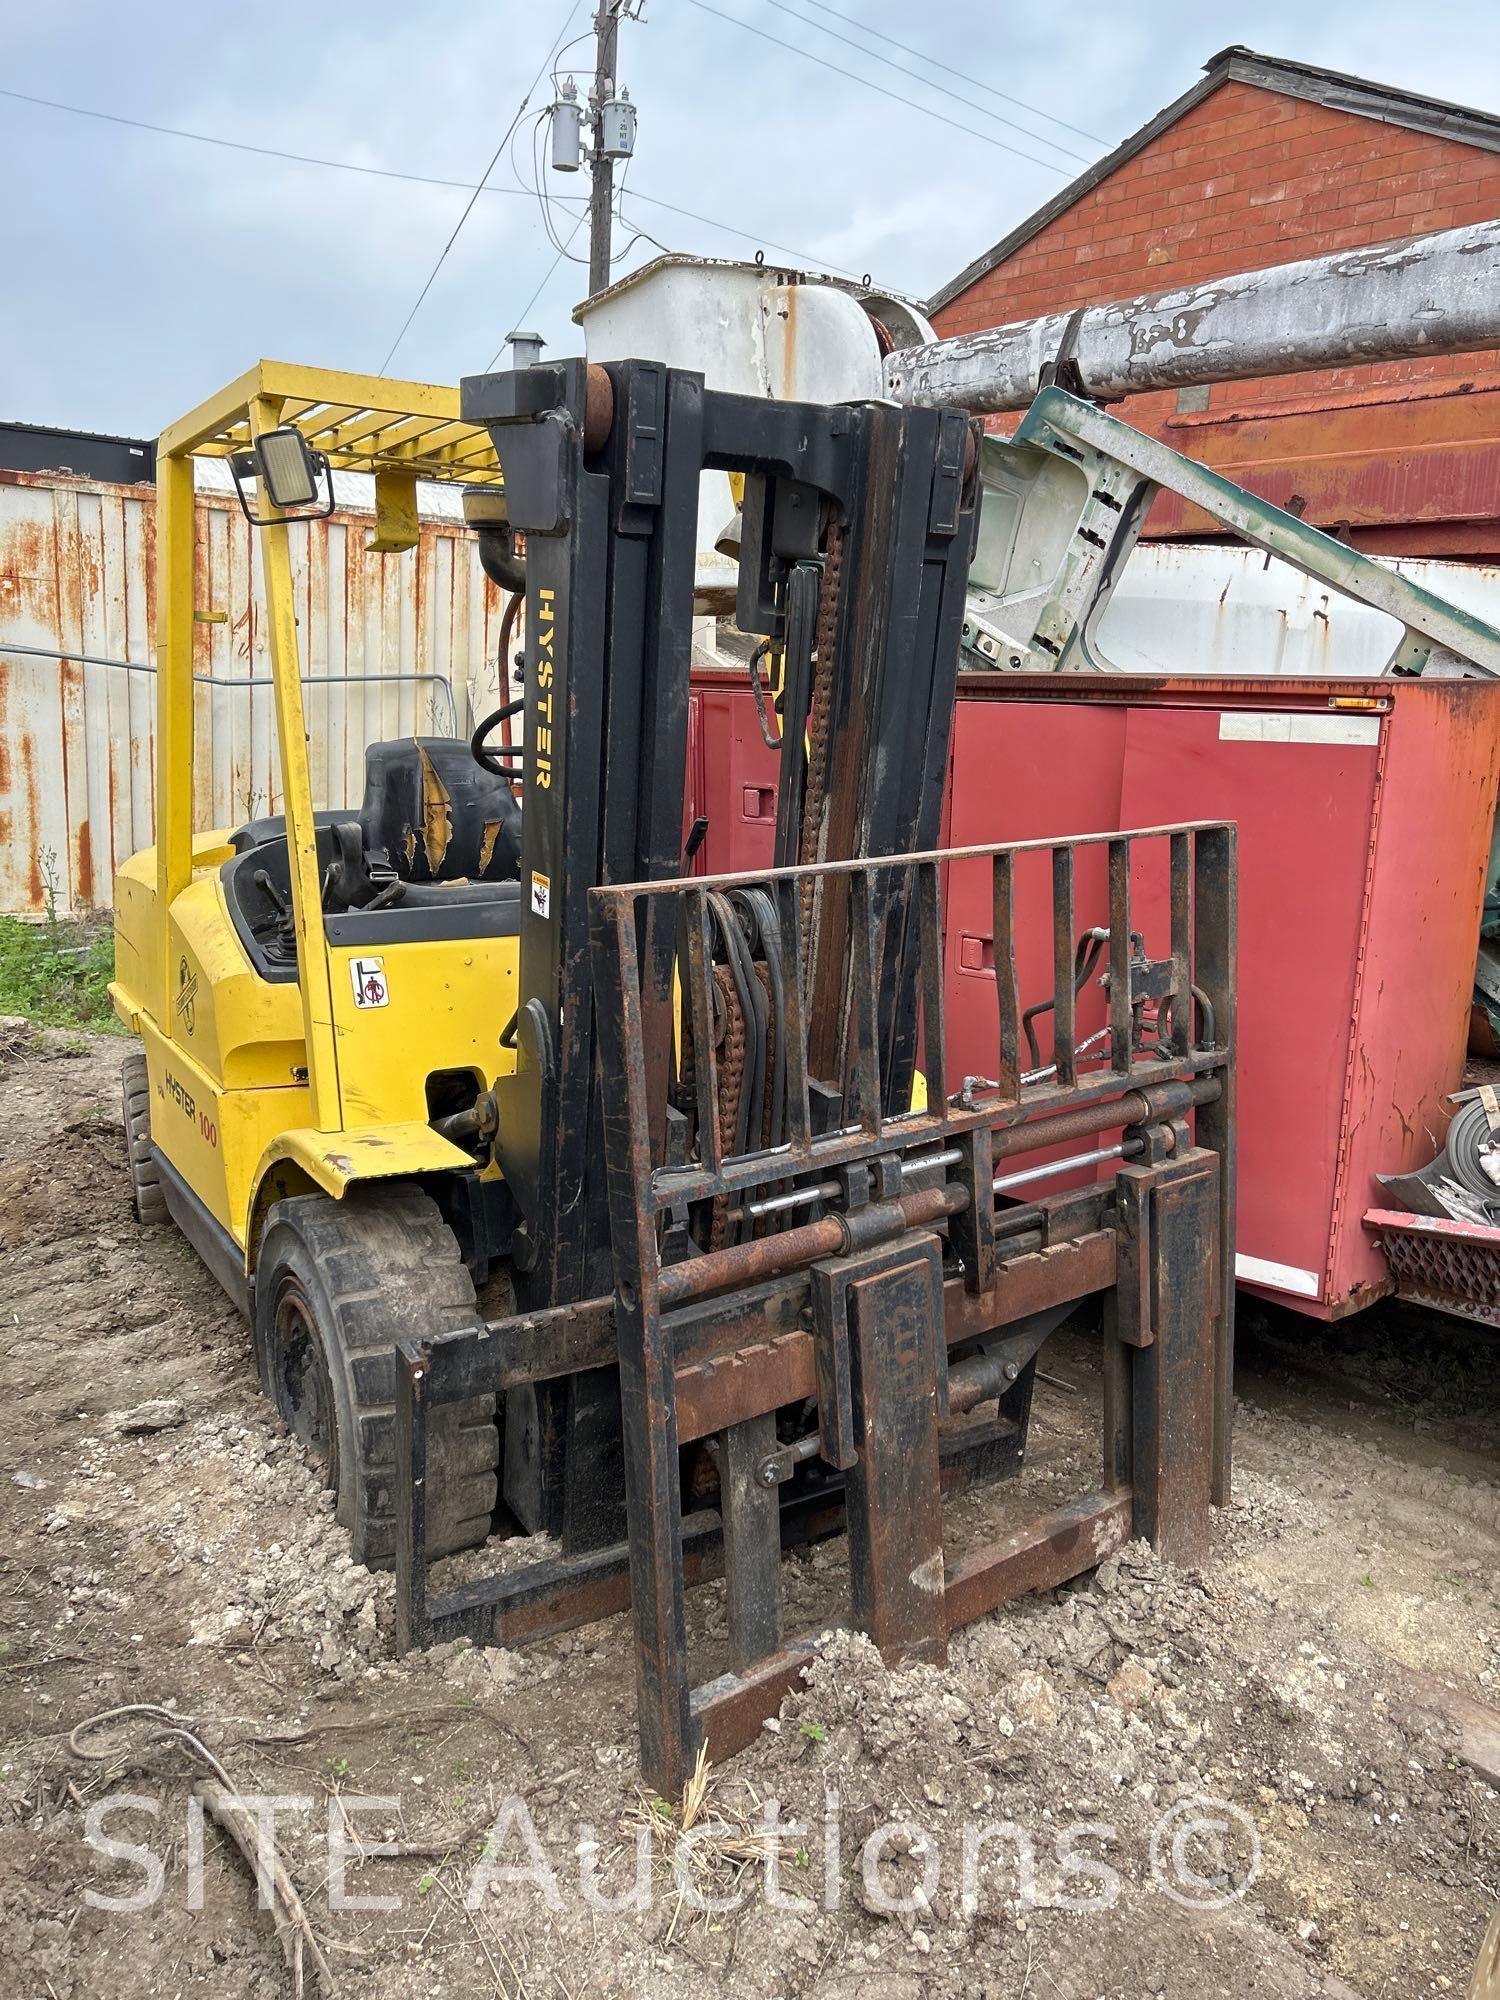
x=394 y=634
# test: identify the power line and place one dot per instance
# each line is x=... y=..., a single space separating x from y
x=916 y=75
x=879 y=34
x=813 y=258
x=244 y=146
x=544 y=197
x=879 y=88
x=397 y=174
x=745 y=235
x=557 y=63
x=525 y=312
x=556 y=43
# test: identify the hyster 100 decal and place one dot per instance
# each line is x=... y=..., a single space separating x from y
x=187 y=1104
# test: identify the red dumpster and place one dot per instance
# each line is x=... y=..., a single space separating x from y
x=1365 y=812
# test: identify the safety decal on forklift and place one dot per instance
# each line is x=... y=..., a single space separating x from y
x=541 y=894
x=367 y=976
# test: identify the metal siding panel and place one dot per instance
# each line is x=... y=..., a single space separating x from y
x=108 y=688
x=356 y=657
x=127 y=694
x=77 y=742
x=96 y=843
x=336 y=639
x=443 y=627
x=28 y=565
x=138 y=594
x=408 y=604
x=217 y=642
x=1366 y=457
x=481 y=676
x=203 y=694
x=310 y=586
x=234 y=651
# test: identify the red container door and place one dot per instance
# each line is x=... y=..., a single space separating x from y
x=732 y=781
x=1301 y=787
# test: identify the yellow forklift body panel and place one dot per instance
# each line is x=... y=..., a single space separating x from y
x=263 y=1085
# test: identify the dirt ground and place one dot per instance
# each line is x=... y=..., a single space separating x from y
x=1109 y=1761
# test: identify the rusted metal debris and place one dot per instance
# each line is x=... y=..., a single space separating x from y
x=1451 y=1266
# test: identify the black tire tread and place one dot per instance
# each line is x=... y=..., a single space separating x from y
x=146 y=1196
x=391 y=1270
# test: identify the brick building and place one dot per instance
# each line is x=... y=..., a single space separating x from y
x=1264 y=162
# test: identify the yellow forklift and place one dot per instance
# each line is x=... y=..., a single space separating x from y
x=320 y=995
x=749 y=1283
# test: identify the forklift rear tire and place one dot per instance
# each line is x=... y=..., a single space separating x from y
x=146 y=1197
x=337 y=1284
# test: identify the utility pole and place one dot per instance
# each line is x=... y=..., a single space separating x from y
x=602 y=165
x=611 y=119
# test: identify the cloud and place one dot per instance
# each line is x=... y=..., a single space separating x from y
x=141 y=271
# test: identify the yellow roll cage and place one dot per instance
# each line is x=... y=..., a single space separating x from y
x=399 y=431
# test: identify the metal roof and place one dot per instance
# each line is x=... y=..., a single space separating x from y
x=365 y=423
x=85 y=454
x=1332 y=88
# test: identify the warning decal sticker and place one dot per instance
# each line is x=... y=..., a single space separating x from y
x=367 y=976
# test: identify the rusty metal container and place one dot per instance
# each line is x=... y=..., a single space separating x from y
x=1364 y=813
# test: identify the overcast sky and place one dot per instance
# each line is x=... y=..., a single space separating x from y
x=142 y=271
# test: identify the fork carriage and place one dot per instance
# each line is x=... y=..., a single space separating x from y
x=839 y=1297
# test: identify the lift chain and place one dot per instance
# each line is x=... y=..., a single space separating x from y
x=731 y=1085
x=819 y=719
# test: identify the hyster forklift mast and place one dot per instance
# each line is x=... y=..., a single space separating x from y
x=602 y=472
x=773 y=1282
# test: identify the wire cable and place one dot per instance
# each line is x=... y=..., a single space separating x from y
x=536 y=181
x=520 y=191
x=244 y=146
x=558 y=54
x=553 y=47
x=812 y=258
x=525 y=313
x=873 y=55
x=895 y=96
x=880 y=35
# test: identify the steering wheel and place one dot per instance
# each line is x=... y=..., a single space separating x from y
x=478 y=742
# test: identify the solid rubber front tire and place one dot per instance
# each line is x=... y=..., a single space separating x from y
x=146 y=1196
x=337 y=1284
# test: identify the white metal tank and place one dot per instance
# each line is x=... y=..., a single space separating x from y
x=752 y=330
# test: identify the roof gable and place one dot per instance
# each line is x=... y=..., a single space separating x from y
x=1332 y=89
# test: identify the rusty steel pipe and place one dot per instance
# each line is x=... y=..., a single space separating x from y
x=1437 y=294
x=978 y=1380
x=770 y=1256
x=1134 y=1108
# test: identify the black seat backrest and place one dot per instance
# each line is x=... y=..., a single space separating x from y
x=438 y=813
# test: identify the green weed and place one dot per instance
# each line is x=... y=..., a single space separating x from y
x=56 y=973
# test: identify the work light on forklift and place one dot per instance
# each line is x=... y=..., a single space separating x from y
x=289 y=471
